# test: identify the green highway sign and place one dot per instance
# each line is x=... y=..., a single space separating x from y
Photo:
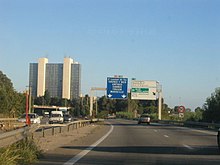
x=143 y=90
x=140 y=90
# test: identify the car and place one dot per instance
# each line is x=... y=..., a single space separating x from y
x=144 y=118
x=56 y=117
x=46 y=114
x=67 y=118
x=34 y=118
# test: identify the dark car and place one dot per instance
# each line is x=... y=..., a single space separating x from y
x=67 y=118
x=144 y=118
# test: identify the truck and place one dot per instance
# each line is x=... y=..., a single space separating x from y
x=56 y=117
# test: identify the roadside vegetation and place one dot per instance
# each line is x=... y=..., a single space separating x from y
x=12 y=104
x=21 y=153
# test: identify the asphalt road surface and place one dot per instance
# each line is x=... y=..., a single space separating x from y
x=126 y=142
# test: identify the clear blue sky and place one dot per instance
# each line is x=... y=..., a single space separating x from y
x=176 y=42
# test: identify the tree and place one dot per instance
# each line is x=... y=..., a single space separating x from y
x=75 y=103
x=12 y=103
x=39 y=100
x=199 y=114
x=212 y=107
x=55 y=101
x=84 y=105
x=166 y=111
x=47 y=98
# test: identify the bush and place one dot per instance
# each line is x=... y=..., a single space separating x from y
x=126 y=115
x=21 y=153
x=9 y=156
x=102 y=114
x=28 y=152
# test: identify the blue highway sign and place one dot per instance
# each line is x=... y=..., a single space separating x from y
x=117 y=88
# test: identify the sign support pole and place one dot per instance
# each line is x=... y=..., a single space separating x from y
x=92 y=98
x=159 y=101
x=159 y=106
x=91 y=103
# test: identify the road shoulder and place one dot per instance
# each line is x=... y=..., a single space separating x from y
x=62 y=147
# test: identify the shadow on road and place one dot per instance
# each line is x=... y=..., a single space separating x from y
x=210 y=150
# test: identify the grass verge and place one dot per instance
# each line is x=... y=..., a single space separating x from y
x=21 y=153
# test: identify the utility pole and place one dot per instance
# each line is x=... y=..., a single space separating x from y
x=30 y=102
x=27 y=117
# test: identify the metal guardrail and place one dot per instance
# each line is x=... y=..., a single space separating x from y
x=7 y=124
x=53 y=129
x=37 y=130
x=8 y=119
x=14 y=136
x=213 y=126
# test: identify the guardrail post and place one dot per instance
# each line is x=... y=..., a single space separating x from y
x=68 y=128
x=60 y=129
x=52 y=130
x=43 y=131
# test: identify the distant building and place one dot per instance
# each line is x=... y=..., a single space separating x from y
x=61 y=80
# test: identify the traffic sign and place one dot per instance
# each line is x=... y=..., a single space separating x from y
x=117 y=88
x=143 y=90
x=181 y=109
x=140 y=90
x=181 y=115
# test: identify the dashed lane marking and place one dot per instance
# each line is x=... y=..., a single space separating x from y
x=187 y=146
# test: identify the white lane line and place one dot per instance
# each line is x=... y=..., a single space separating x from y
x=205 y=132
x=166 y=136
x=155 y=130
x=87 y=150
x=187 y=146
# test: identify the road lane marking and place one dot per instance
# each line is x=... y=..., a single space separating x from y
x=166 y=136
x=205 y=132
x=187 y=146
x=155 y=130
x=87 y=150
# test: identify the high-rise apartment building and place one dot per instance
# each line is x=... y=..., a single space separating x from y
x=61 y=80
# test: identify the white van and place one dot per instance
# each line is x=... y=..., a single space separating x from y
x=56 y=117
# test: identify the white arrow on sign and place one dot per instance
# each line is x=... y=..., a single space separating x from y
x=123 y=96
x=110 y=95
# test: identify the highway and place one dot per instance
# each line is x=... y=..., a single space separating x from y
x=126 y=142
